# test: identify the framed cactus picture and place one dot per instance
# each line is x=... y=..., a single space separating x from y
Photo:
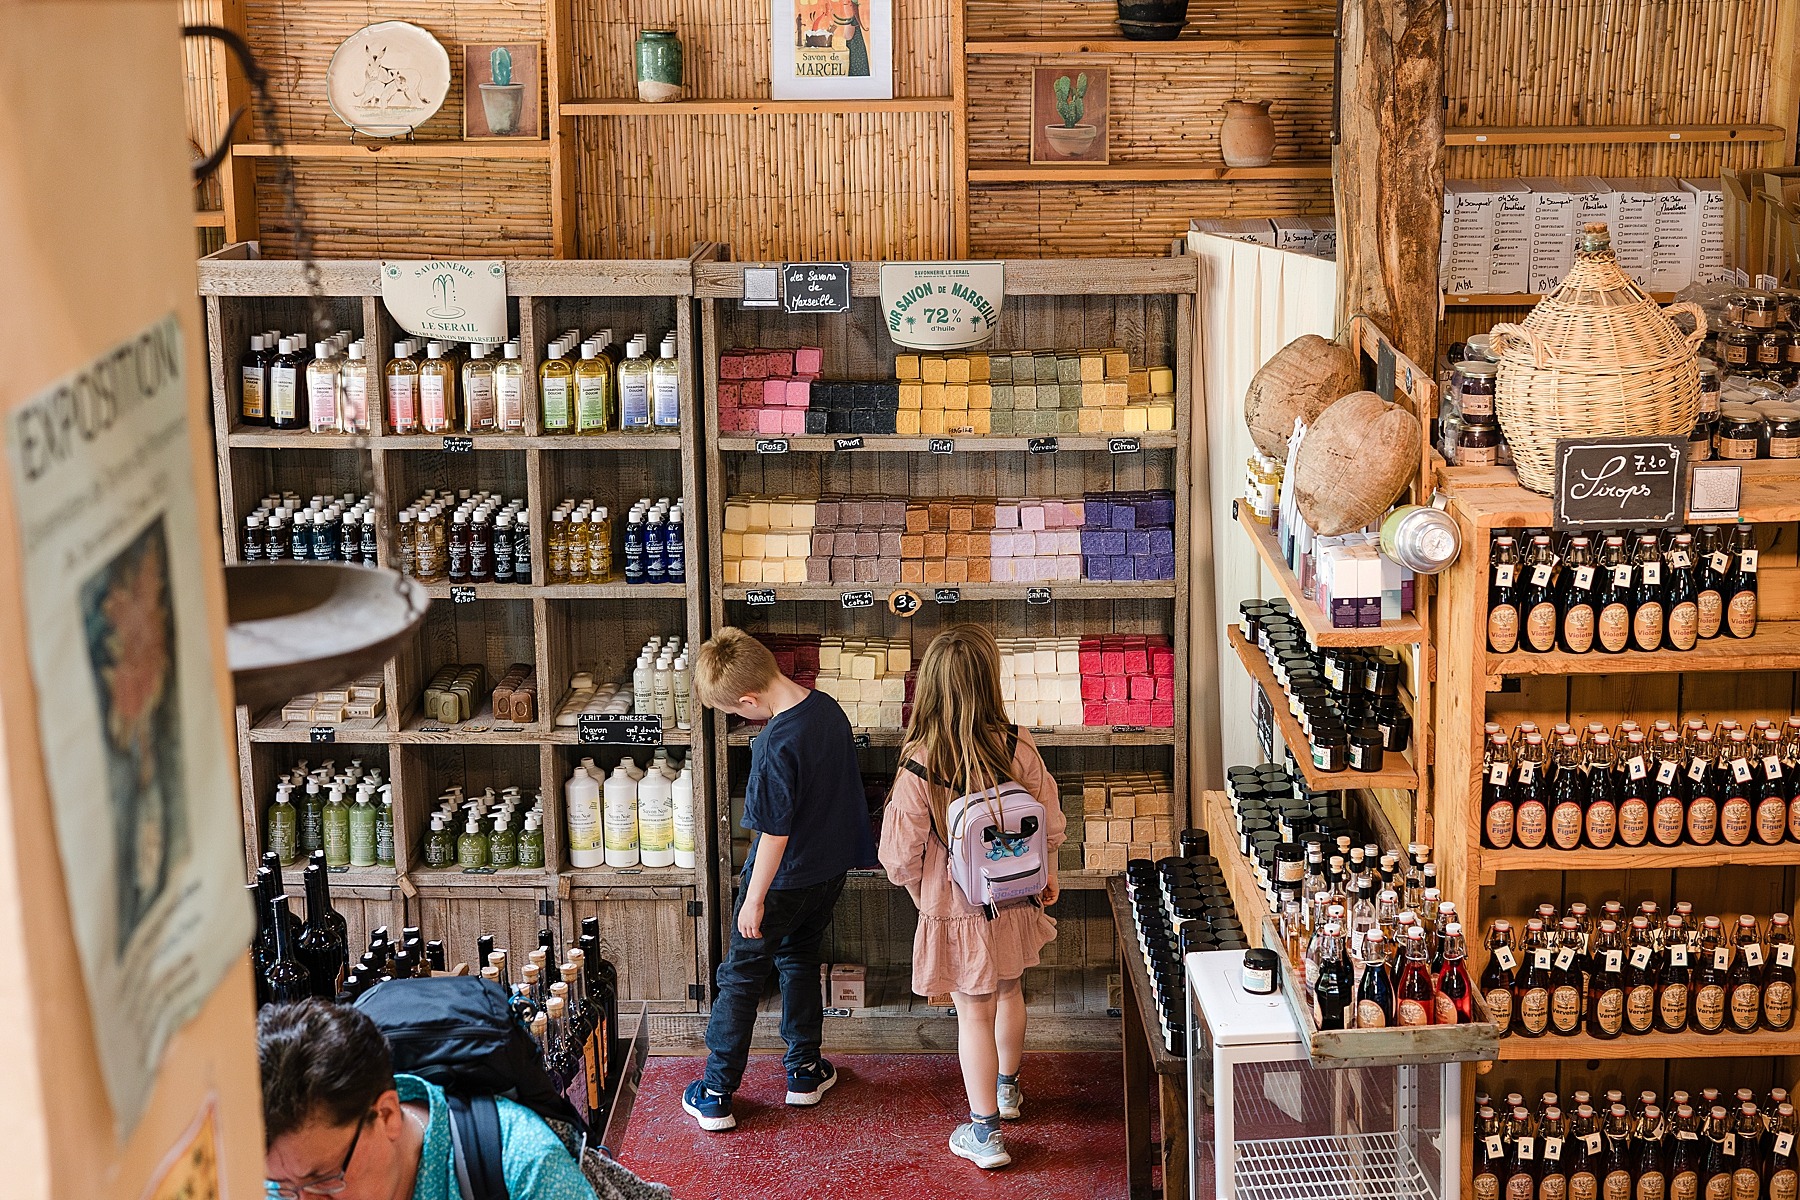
x=1070 y=113
x=503 y=90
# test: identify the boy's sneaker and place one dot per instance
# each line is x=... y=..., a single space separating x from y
x=710 y=1108
x=807 y=1085
x=1011 y=1098
x=986 y=1152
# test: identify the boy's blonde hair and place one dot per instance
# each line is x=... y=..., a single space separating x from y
x=732 y=665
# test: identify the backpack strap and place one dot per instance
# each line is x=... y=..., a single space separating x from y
x=913 y=765
x=475 y=1143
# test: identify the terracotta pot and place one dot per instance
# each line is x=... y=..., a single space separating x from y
x=503 y=103
x=1071 y=140
x=1152 y=20
x=1247 y=139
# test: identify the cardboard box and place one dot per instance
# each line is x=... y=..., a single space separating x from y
x=1468 y=232
x=1258 y=230
x=1555 y=228
x=1509 y=264
x=1634 y=225
x=1708 y=198
x=846 y=985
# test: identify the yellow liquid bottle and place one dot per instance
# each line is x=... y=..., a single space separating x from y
x=595 y=401
x=578 y=547
x=558 y=538
x=600 y=543
x=556 y=386
x=437 y=391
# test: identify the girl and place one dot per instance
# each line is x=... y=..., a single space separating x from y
x=959 y=735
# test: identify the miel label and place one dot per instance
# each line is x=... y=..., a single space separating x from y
x=1640 y=1008
x=1746 y=1007
x=1672 y=1006
x=1540 y=627
x=1412 y=1012
x=1684 y=625
x=1530 y=826
x=1565 y=1008
x=1742 y=614
x=1565 y=825
x=1709 y=1007
x=1534 y=1010
x=1634 y=821
x=1578 y=628
x=1647 y=626
x=1499 y=1002
x=1369 y=1015
x=1771 y=820
x=1500 y=824
x=1702 y=820
x=1734 y=821
x=1668 y=820
x=1711 y=610
x=1614 y=627
x=1503 y=629
x=1778 y=1004
x=1602 y=825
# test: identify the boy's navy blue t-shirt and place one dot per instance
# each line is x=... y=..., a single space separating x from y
x=806 y=785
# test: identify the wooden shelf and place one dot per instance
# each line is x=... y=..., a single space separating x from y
x=211 y=218
x=1140 y=172
x=604 y=441
x=1405 y=632
x=1523 y=299
x=1492 y=497
x=1072 y=881
x=1761 y=1044
x=1403 y=777
x=1065 y=590
x=448 y=149
x=483 y=591
x=631 y=877
x=453 y=877
x=1776 y=647
x=1027 y=47
x=357 y=733
x=610 y=591
x=245 y=438
x=1626 y=858
x=1061 y=735
x=1567 y=135
x=628 y=107
x=294 y=879
x=891 y=443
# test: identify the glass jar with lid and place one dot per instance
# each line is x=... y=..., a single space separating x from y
x=1475 y=396
x=1700 y=439
x=1709 y=387
x=1479 y=445
x=1738 y=347
x=1781 y=430
x=1735 y=304
x=1762 y=311
x=1739 y=433
x=1772 y=354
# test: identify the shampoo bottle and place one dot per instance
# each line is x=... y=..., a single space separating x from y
x=283 y=826
x=621 y=818
x=531 y=842
x=363 y=819
x=384 y=828
x=503 y=847
x=656 y=827
x=440 y=844
x=681 y=803
x=665 y=383
x=312 y=819
x=581 y=803
x=337 y=829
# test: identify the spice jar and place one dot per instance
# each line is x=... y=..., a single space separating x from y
x=1738 y=346
x=1479 y=445
x=1476 y=397
x=1739 y=432
x=1761 y=310
x=1396 y=730
x=1772 y=352
x=1700 y=439
x=1709 y=385
x=1781 y=431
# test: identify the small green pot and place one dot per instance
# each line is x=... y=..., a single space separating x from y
x=658 y=65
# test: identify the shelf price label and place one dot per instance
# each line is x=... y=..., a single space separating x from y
x=847 y=443
x=760 y=596
x=861 y=740
x=322 y=733
x=1129 y=728
x=942 y=445
x=1123 y=445
x=1037 y=595
x=858 y=599
x=458 y=445
x=948 y=595
x=462 y=593
x=771 y=446
x=904 y=603
x=1041 y=445
x=613 y=729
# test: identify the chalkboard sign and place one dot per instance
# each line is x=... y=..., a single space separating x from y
x=459 y=445
x=1620 y=482
x=849 y=443
x=322 y=733
x=904 y=603
x=461 y=593
x=610 y=729
x=1041 y=445
x=861 y=741
x=772 y=446
x=858 y=599
x=948 y=596
x=1125 y=445
x=1037 y=595
x=815 y=287
x=760 y=596
x=942 y=445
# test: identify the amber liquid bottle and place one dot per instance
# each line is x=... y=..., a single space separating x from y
x=1600 y=821
x=1712 y=563
x=1505 y=593
x=1668 y=819
x=1648 y=600
x=1531 y=987
x=1747 y=1171
x=1649 y=1160
x=1522 y=1162
x=1740 y=586
x=1674 y=979
x=1455 y=990
x=1637 y=790
x=1580 y=590
x=1745 y=983
x=1615 y=1172
x=1539 y=613
x=1497 y=812
x=1682 y=625
x=1567 y=973
x=1531 y=793
x=1497 y=978
x=1778 y=977
x=1772 y=789
x=1586 y=1152
x=1712 y=971
x=1783 y=1171
x=1568 y=795
x=1640 y=978
x=1704 y=787
x=1490 y=1156
x=1553 y=1152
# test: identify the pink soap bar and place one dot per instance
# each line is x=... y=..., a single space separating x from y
x=774 y=392
x=1162 y=714
x=793 y=420
x=1137 y=712
x=779 y=362
x=1068 y=568
x=768 y=420
x=1136 y=661
x=1118 y=712
x=1143 y=687
x=1165 y=688
x=1006 y=516
x=1053 y=514
x=799 y=391
x=1093 y=687
x=1031 y=516
x=732 y=364
x=1074 y=510
x=809 y=360
x=1112 y=662
x=1117 y=687
x=729 y=393
x=1093 y=712
x=1089 y=658
x=1162 y=661
x=1003 y=570
x=1068 y=541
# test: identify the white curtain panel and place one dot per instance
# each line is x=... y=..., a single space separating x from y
x=1253 y=301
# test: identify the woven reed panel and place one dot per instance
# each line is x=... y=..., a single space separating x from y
x=1692 y=159
x=1028 y=221
x=474 y=208
x=294 y=41
x=205 y=105
x=1162 y=109
x=725 y=46
x=841 y=186
x=994 y=19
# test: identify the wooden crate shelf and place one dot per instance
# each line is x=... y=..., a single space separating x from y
x=1061 y=735
x=1294 y=736
x=1636 y=858
x=1031 y=47
x=1521 y=299
x=1402 y=632
x=1607 y=135
x=366 y=151
x=890 y=443
x=1059 y=590
x=1774 y=648
x=1761 y=1044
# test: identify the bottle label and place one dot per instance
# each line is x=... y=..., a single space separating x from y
x=1784 y=954
x=1540 y=574
x=1369 y=1015
x=1672 y=1006
x=1520 y=1187
x=554 y=391
x=432 y=401
x=1503 y=629
x=1742 y=614
x=1499 y=1002
x=252 y=405
x=1617 y=1185
x=668 y=403
x=1684 y=625
x=509 y=393
x=1771 y=820
x=1540 y=627
x=403 y=402
x=1746 y=1007
x=1553 y=1187
x=1578 y=628
x=1651 y=572
x=634 y=401
x=1621 y=575
x=1734 y=821
x=622 y=826
x=1615 y=627
x=1747 y=560
x=590 y=402
x=1500 y=824
x=1414 y=1012
x=480 y=403
x=1602 y=824
x=1534 y=1010
x=1640 y=1008
x=1794 y=817
x=1504 y=574
x=1650 y=1186
x=1702 y=820
x=1782 y=1184
x=1647 y=625
x=356 y=402
x=1684 y=1186
x=1583 y=1186
x=1609 y=1010
x=1709 y=1007
x=1709 y=610
x=1565 y=825
x=1487 y=1186
x=1530 y=825
x=1498 y=773
x=283 y=394
x=1565 y=1009
x=1445 y=1013
x=1634 y=821
x=1746 y=1184
x=1504 y=956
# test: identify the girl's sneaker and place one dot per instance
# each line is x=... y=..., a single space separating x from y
x=712 y=1109
x=1011 y=1099
x=986 y=1150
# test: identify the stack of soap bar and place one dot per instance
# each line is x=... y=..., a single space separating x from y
x=515 y=696
x=360 y=701
x=1037 y=541
x=767 y=539
x=796 y=654
x=1031 y=393
x=780 y=392
x=450 y=695
x=947 y=541
x=1128 y=679
x=1124 y=815
x=856 y=541
x=1040 y=680
x=870 y=678
x=1129 y=536
x=943 y=394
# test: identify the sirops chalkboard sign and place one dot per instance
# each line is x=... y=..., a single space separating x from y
x=1620 y=482
x=815 y=287
x=609 y=729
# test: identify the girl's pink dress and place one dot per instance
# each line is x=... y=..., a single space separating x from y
x=957 y=949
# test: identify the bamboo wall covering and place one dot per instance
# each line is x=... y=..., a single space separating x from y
x=1110 y=219
x=412 y=210
x=992 y=19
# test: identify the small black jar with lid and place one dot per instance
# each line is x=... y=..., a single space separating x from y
x=1739 y=433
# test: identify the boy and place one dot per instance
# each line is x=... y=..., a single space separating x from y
x=804 y=801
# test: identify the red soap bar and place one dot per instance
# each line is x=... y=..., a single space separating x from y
x=1093 y=687
x=1137 y=661
x=784 y=661
x=1118 y=712
x=1117 y=687
x=1143 y=687
x=809 y=360
x=728 y=394
x=1090 y=659
x=1093 y=712
x=1162 y=661
x=774 y=392
x=806 y=657
x=732 y=364
x=1165 y=688
x=1112 y=662
x=780 y=362
x=1137 y=712
x=1162 y=714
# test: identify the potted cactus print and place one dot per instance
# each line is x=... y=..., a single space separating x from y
x=1075 y=103
x=502 y=90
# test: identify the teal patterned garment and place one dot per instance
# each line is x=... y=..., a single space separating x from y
x=535 y=1162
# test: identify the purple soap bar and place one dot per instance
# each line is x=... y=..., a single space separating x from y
x=1098 y=513
x=1163 y=566
x=1137 y=543
x=1124 y=516
x=1162 y=541
x=1157 y=510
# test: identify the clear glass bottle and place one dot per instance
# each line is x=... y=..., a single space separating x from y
x=634 y=388
x=509 y=391
x=665 y=381
x=324 y=389
x=437 y=391
x=287 y=387
x=402 y=399
x=479 y=404
x=556 y=387
x=596 y=402
x=253 y=392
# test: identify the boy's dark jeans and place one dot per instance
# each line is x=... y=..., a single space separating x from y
x=793 y=924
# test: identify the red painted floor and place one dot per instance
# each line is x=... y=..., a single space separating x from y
x=882 y=1132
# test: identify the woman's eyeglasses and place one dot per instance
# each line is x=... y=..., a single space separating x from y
x=326 y=1185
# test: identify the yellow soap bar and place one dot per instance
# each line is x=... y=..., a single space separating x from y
x=907 y=423
x=978 y=368
x=793 y=571
x=1093 y=393
x=750 y=570
x=1118 y=363
x=759 y=514
x=956 y=370
x=737 y=516
x=1112 y=420
x=734 y=544
x=912 y=395
x=1162 y=418
x=1093 y=367
x=1088 y=420
x=1137 y=419
x=906 y=366
x=933 y=369
x=1162 y=381
x=934 y=396
x=956 y=397
x=931 y=422
x=781 y=515
x=981 y=396
x=733 y=571
x=981 y=420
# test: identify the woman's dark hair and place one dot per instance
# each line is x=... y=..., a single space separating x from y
x=320 y=1061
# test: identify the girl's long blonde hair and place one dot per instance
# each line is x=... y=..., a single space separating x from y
x=959 y=730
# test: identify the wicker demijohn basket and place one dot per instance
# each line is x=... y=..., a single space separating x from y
x=1596 y=357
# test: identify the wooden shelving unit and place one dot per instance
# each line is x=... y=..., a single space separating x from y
x=394 y=149
x=1490 y=863
x=629 y=107
x=1407 y=631
x=1028 y=47
x=1145 y=307
x=1140 y=172
x=1607 y=135
x=655 y=922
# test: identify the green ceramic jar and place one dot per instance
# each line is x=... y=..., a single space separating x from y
x=658 y=65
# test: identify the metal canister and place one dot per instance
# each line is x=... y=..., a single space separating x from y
x=1420 y=538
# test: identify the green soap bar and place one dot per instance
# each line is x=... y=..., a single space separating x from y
x=1000 y=368
x=1002 y=396
x=1068 y=368
x=1046 y=368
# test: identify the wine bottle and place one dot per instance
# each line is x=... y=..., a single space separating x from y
x=1538 y=608
x=1455 y=991
x=320 y=950
x=286 y=980
x=1497 y=978
x=603 y=993
x=1740 y=586
x=339 y=926
x=1490 y=1156
x=1504 y=597
x=1711 y=976
x=1648 y=613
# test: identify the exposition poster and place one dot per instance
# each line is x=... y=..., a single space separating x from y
x=831 y=49
x=140 y=778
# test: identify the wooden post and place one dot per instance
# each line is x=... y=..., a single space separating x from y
x=1388 y=168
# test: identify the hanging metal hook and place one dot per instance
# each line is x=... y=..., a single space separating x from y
x=253 y=72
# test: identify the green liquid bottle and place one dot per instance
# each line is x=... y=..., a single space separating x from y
x=283 y=826
x=362 y=827
x=440 y=844
x=384 y=828
x=312 y=820
x=556 y=382
x=503 y=847
x=337 y=830
x=472 y=847
x=531 y=844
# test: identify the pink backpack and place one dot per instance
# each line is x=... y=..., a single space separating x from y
x=999 y=850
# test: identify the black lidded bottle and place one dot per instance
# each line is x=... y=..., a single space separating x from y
x=286 y=980
x=320 y=950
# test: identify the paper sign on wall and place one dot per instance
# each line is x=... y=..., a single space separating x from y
x=447 y=300
x=191 y=1169
x=942 y=306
